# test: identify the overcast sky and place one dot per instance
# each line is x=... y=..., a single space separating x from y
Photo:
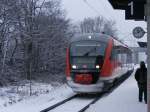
x=77 y=10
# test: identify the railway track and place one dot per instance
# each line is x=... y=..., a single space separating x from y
x=94 y=101
x=81 y=102
x=58 y=104
x=85 y=102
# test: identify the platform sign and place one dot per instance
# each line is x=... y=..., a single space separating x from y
x=118 y=4
x=135 y=10
x=138 y=32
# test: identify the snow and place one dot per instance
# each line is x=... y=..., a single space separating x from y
x=122 y=99
x=73 y=105
x=13 y=94
x=38 y=103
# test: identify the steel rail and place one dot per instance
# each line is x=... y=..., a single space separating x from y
x=58 y=104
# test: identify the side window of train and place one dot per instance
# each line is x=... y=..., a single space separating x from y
x=122 y=56
x=113 y=54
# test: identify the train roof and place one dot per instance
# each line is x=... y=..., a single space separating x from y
x=97 y=37
x=91 y=36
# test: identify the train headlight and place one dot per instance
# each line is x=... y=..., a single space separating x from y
x=74 y=66
x=97 y=66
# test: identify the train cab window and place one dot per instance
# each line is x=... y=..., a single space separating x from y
x=88 y=48
x=89 y=53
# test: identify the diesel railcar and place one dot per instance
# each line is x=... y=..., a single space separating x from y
x=95 y=61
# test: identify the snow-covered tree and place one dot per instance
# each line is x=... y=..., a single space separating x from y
x=33 y=37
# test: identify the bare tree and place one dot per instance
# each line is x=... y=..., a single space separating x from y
x=109 y=28
x=40 y=31
x=98 y=25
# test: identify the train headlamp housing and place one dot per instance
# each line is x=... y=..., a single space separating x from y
x=74 y=66
x=97 y=66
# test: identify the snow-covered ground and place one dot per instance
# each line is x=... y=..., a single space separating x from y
x=123 y=99
x=14 y=94
x=38 y=103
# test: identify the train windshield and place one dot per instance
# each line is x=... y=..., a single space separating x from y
x=88 y=48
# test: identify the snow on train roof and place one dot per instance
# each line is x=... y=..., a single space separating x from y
x=91 y=36
x=121 y=45
x=118 y=43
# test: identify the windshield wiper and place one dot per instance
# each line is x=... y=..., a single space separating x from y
x=91 y=50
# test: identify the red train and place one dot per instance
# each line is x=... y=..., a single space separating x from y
x=95 y=61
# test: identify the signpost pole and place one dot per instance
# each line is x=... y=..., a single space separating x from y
x=148 y=52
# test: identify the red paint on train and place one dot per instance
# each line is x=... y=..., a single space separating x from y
x=108 y=65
